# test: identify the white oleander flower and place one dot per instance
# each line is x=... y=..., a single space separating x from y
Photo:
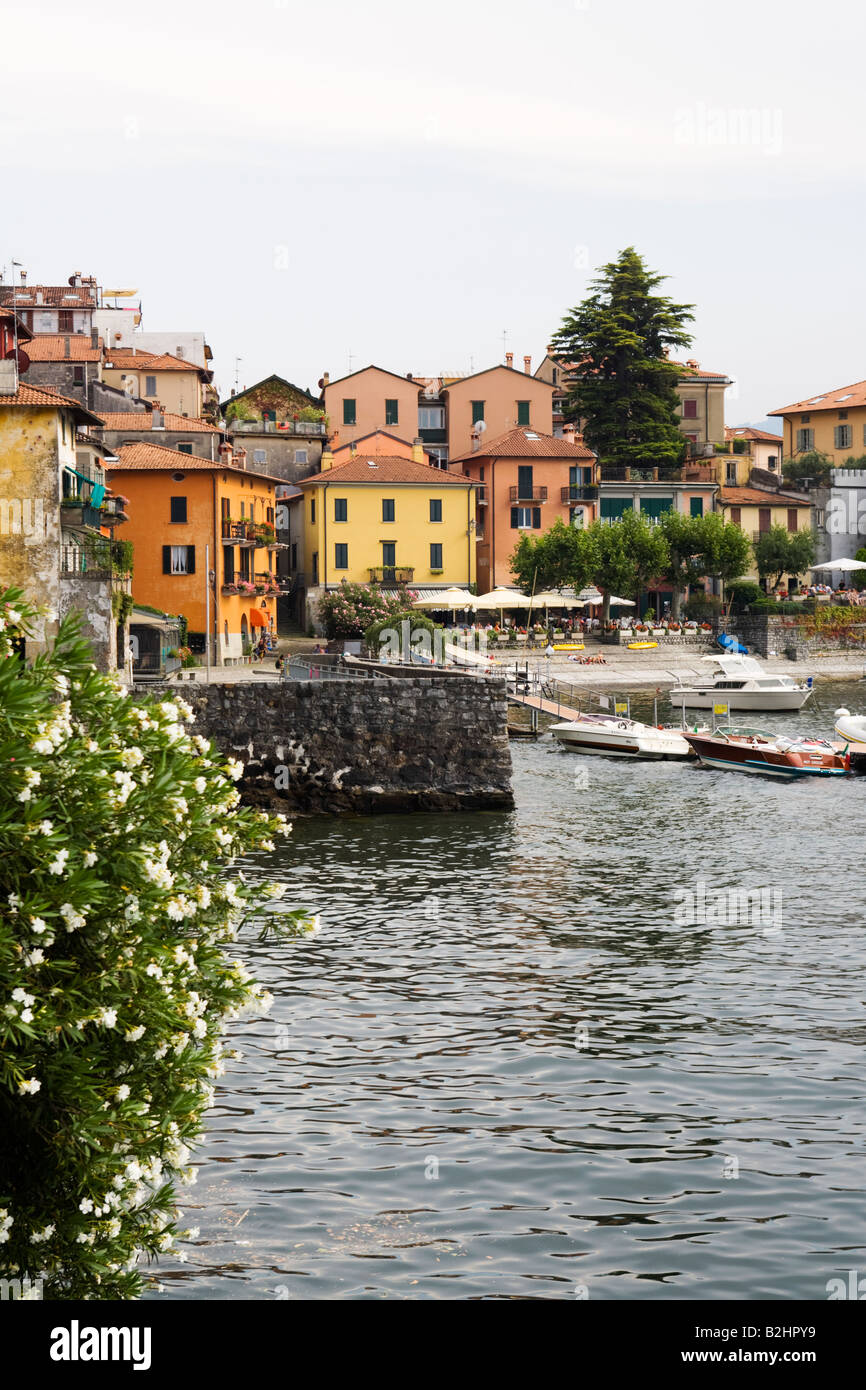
x=29 y=1088
x=90 y=859
x=37 y=925
x=200 y=784
x=108 y=1018
x=85 y=1205
x=43 y=745
x=58 y=864
x=133 y=1034
x=25 y=795
x=123 y=1092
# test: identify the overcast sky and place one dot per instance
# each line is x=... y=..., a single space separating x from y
x=315 y=185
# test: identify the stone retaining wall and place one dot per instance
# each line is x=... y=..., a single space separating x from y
x=764 y=635
x=364 y=746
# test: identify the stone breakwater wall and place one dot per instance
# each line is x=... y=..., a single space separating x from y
x=364 y=746
x=765 y=635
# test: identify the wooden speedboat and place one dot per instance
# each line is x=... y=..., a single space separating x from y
x=741 y=683
x=621 y=738
x=770 y=755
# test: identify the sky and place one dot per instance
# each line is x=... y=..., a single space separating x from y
x=318 y=187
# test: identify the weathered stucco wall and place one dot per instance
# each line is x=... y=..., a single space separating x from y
x=30 y=506
x=365 y=746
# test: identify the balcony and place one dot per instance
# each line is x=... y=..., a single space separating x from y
x=630 y=473
x=308 y=429
x=481 y=495
x=78 y=515
x=249 y=533
x=528 y=494
x=579 y=492
x=700 y=473
x=391 y=574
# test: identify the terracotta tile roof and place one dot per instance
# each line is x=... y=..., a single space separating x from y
x=129 y=360
x=527 y=443
x=44 y=396
x=758 y=497
x=843 y=397
x=137 y=421
x=24 y=334
x=746 y=432
x=385 y=468
x=63 y=347
x=143 y=456
x=688 y=373
x=52 y=296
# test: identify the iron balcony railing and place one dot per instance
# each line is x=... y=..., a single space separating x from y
x=579 y=492
x=528 y=494
x=391 y=574
x=315 y=429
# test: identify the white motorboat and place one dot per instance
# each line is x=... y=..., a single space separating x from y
x=740 y=682
x=851 y=728
x=620 y=738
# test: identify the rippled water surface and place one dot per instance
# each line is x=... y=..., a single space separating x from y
x=505 y=1069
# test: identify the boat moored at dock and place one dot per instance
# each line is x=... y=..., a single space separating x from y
x=741 y=683
x=770 y=755
x=621 y=738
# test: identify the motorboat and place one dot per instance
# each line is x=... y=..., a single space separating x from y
x=620 y=738
x=770 y=755
x=851 y=728
x=740 y=682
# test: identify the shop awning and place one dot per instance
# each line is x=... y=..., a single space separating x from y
x=257 y=618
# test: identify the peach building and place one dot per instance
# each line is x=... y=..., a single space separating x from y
x=380 y=442
x=176 y=384
x=526 y=481
x=190 y=515
x=489 y=403
x=370 y=400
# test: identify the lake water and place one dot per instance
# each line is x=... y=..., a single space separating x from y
x=507 y=1068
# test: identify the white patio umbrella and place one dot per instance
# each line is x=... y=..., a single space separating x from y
x=845 y=565
x=501 y=598
x=452 y=598
x=551 y=599
x=620 y=602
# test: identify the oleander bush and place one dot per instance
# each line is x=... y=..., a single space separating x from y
x=117 y=914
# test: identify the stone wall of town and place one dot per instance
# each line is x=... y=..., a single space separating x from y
x=364 y=746
x=765 y=636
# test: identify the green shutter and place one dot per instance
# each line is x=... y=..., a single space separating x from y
x=696 y=506
x=536 y=518
x=514 y=523
x=190 y=559
x=166 y=559
x=523 y=412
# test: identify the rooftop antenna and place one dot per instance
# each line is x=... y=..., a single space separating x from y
x=504 y=342
x=350 y=359
x=15 y=313
x=471 y=364
x=238 y=361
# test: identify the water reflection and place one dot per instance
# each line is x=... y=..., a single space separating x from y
x=503 y=1070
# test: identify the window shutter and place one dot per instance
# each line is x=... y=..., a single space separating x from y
x=190 y=559
x=166 y=559
x=514 y=522
x=536 y=518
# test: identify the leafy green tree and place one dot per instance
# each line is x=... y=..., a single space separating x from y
x=556 y=558
x=625 y=556
x=813 y=465
x=779 y=552
x=858 y=577
x=117 y=825
x=623 y=385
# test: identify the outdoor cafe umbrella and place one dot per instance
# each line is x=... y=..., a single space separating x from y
x=845 y=565
x=452 y=598
x=551 y=599
x=501 y=598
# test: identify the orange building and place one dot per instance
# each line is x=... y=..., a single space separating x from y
x=527 y=481
x=189 y=515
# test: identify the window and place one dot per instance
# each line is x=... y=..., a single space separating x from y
x=524 y=482
x=178 y=559
x=341 y=557
x=730 y=472
x=773 y=461
x=436 y=556
x=526 y=518
x=392 y=412
x=842 y=437
x=315 y=566
x=692 y=437
x=349 y=411
x=387 y=508
x=438 y=458
x=435 y=508
x=843 y=415
x=804 y=419
x=77 y=376
x=228 y=564
x=389 y=553
x=792 y=518
x=300 y=456
x=523 y=412
x=696 y=506
x=477 y=411
x=150 y=385
x=64 y=321
x=736 y=516
x=690 y=408
x=341 y=509
x=312 y=509
x=178 y=508
x=763 y=519
x=260 y=455
x=805 y=440
x=431 y=417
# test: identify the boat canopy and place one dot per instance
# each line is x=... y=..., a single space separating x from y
x=736 y=665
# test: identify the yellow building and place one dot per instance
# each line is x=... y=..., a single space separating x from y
x=834 y=423
x=178 y=385
x=385 y=520
x=755 y=511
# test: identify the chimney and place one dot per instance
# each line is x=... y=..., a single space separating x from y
x=65 y=347
x=157 y=419
x=327 y=461
x=568 y=432
x=418 y=451
x=94 y=337
x=240 y=459
x=527 y=365
x=326 y=379
x=22 y=277
x=225 y=453
x=509 y=359
x=409 y=376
